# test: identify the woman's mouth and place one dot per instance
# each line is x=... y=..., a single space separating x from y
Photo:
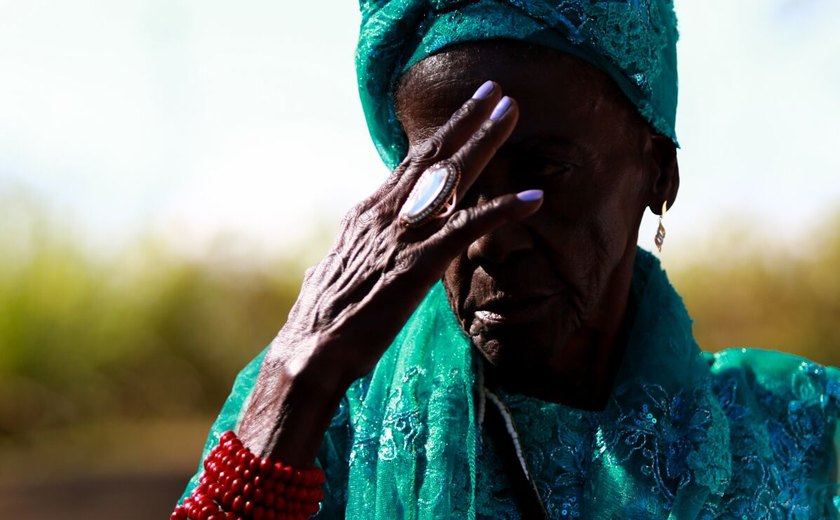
x=508 y=312
x=489 y=317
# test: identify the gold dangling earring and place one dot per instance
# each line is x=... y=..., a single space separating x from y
x=659 y=239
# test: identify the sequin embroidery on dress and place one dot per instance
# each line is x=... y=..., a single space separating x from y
x=777 y=451
x=657 y=447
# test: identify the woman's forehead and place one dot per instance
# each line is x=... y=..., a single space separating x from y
x=512 y=61
x=555 y=91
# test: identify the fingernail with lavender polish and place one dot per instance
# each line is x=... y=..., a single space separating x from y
x=501 y=108
x=529 y=195
x=484 y=90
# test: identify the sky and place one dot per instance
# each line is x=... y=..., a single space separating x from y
x=193 y=119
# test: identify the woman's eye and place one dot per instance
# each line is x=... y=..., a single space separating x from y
x=550 y=169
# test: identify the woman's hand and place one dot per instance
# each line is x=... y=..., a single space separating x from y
x=355 y=301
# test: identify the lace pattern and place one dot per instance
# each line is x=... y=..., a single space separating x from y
x=777 y=441
x=777 y=452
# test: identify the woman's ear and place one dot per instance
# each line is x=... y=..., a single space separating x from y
x=665 y=173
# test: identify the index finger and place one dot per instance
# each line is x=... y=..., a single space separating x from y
x=452 y=135
x=482 y=145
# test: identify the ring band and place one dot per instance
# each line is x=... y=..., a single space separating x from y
x=432 y=196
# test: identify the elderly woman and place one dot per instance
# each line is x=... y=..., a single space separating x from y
x=485 y=340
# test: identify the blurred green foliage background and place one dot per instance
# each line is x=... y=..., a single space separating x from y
x=117 y=361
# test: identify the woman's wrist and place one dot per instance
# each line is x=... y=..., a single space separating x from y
x=238 y=485
x=291 y=406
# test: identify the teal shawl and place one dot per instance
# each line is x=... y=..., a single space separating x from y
x=739 y=434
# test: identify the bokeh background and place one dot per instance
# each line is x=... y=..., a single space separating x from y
x=168 y=168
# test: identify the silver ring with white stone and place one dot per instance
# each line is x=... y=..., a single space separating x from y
x=432 y=196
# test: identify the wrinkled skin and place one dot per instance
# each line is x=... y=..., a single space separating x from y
x=554 y=271
x=544 y=298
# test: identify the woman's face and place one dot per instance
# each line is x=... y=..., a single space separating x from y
x=527 y=291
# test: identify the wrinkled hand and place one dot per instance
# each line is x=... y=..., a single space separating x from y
x=354 y=302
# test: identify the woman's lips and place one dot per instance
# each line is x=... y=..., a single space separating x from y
x=489 y=317
x=506 y=312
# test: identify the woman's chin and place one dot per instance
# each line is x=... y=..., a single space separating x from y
x=525 y=346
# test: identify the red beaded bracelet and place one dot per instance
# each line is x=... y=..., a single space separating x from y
x=238 y=485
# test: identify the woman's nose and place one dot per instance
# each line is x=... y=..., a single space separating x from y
x=500 y=245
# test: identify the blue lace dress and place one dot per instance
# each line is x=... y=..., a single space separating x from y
x=769 y=455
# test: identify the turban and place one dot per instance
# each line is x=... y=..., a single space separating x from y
x=634 y=41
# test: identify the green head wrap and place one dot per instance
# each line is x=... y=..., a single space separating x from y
x=634 y=41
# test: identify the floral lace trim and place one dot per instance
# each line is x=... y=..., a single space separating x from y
x=771 y=448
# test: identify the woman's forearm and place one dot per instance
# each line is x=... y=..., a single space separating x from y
x=291 y=407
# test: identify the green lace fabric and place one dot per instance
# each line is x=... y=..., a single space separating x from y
x=743 y=433
x=634 y=41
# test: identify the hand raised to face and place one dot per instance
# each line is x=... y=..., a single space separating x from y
x=379 y=270
x=354 y=302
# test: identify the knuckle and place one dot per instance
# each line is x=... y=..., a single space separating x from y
x=358 y=215
x=434 y=146
x=402 y=264
x=463 y=111
x=393 y=179
x=493 y=204
x=397 y=174
x=461 y=219
x=484 y=131
x=479 y=143
x=428 y=149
